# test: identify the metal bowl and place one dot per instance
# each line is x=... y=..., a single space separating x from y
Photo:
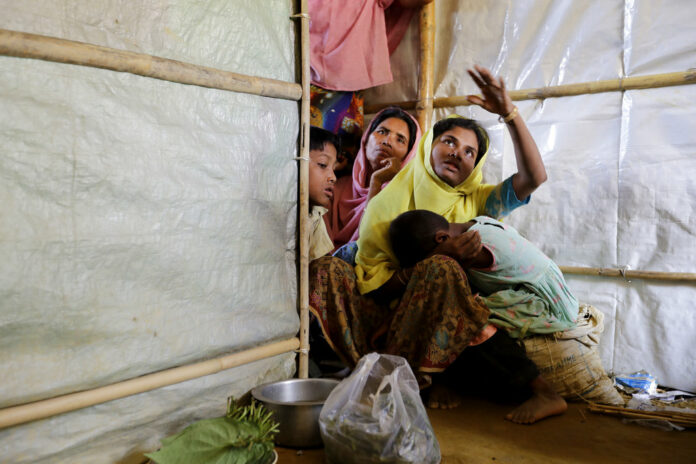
x=275 y=457
x=296 y=404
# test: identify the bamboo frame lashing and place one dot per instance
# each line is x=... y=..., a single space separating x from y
x=303 y=370
x=651 y=81
x=25 y=45
x=629 y=274
x=42 y=409
x=424 y=107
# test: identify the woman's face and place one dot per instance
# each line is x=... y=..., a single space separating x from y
x=453 y=156
x=388 y=140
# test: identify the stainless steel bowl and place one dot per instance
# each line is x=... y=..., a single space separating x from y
x=296 y=404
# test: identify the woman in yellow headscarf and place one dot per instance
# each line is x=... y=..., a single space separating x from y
x=428 y=313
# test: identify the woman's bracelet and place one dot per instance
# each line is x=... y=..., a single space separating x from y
x=512 y=115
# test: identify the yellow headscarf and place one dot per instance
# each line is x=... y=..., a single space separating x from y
x=416 y=186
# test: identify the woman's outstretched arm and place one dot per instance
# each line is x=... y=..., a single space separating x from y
x=530 y=167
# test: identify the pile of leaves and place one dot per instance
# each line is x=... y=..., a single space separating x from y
x=243 y=436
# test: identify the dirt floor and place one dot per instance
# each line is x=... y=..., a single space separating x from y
x=477 y=433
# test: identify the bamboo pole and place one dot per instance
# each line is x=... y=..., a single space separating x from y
x=424 y=107
x=25 y=45
x=50 y=407
x=304 y=195
x=627 y=274
x=651 y=81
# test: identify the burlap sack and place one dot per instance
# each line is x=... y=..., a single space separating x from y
x=569 y=360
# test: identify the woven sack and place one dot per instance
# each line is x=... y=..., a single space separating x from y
x=570 y=362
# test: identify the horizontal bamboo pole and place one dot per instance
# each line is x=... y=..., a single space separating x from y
x=627 y=274
x=50 y=407
x=651 y=81
x=25 y=45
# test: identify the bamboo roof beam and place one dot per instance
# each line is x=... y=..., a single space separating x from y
x=651 y=81
x=25 y=45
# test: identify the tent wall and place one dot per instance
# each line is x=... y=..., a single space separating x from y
x=145 y=224
x=619 y=191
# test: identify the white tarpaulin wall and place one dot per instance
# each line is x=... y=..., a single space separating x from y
x=620 y=190
x=144 y=224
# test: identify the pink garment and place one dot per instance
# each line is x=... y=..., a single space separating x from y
x=350 y=194
x=350 y=41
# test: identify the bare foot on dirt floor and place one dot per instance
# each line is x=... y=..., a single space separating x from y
x=440 y=396
x=544 y=402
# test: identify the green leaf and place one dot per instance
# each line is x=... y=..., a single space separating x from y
x=214 y=441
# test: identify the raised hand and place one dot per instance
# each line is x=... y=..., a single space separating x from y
x=390 y=168
x=495 y=96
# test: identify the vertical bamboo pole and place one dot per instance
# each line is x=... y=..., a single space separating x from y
x=304 y=194
x=424 y=107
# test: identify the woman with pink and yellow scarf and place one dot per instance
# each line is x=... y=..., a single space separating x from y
x=390 y=142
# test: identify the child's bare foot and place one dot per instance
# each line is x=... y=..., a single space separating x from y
x=544 y=402
x=484 y=335
x=441 y=396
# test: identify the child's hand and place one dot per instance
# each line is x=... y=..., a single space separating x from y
x=495 y=97
x=464 y=248
x=390 y=168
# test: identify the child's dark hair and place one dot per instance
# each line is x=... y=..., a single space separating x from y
x=443 y=125
x=412 y=235
x=396 y=112
x=319 y=137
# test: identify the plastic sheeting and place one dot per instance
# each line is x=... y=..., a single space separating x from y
x=619 y=191
x=145 y=224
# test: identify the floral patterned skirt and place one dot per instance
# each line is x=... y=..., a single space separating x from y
x=433 y=322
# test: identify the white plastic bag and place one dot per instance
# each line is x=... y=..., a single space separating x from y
x=376 y=415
